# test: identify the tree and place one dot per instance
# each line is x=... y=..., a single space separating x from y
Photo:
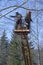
x=15 y=50
x=4 y=49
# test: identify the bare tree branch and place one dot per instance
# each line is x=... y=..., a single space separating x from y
x=14 y=9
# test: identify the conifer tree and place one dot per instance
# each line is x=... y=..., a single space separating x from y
x=4 y=49
x=15 y=50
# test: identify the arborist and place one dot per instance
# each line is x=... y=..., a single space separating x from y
x=28 y=19
x=18 y=19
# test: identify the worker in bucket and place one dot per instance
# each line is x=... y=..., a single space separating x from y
x=28 y=19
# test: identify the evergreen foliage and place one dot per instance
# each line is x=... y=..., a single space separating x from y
x=3 y=49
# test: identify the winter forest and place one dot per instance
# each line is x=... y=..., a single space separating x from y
x=21 y=32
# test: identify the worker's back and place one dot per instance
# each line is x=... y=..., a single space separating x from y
x=18 y=20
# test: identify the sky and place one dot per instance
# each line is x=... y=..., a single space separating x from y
x=8 y=25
